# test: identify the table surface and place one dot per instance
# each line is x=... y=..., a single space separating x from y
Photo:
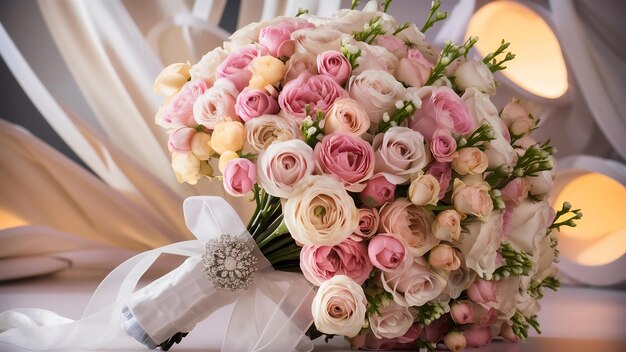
x=574 y=319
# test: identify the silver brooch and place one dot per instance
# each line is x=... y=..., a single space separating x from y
x=229 y=263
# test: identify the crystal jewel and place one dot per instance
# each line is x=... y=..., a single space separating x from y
x=229 y=263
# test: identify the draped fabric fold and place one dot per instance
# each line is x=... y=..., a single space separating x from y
x=278 y=302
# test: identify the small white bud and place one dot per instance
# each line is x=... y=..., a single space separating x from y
x=445 y=60
x=399 y=104
x=311 y=131
x=393 y=123
x=386 y=117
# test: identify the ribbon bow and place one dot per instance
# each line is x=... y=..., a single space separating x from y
x=271 y=313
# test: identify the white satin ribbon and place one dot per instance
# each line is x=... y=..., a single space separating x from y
x=272 y=314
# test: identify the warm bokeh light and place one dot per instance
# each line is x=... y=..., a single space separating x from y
x=600 y=236
x=539 y=66
x=8 y=219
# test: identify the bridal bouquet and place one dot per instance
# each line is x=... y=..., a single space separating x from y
x=381 y=171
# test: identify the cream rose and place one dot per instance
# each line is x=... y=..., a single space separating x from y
x=424 y=190
x=414 y=286
x=206 y=68
x=339 y=307
x=188 y=168
x=377 y=92
x=472 y=199
x=475 y=74
x=447 y=225
x=282 y=165
x=346 y=116
x=392 y=320
x=529 y=222
x=470 y=161
x=541 y=185
x=410 y=222
x=228 y=136
x=480 y=245
x=319 y=211
x=171 y=79
x=399 y=152
x=315 y=41
x=264 y=130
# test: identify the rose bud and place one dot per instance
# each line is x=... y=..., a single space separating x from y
x=447 y=225
x=462 y=312
x=454 y=341
x=377 y=192
x=444 y=257
x=424 y=190
x=386 y=252
x=470 y=161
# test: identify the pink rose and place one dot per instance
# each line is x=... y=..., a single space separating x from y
x=477 y=336
x=462 y=312
x=320 y=263
x=443 y=174
x=282 y=165
x=410 y=222
x=180 y=139
x=414 y=69
x=515 y=192
x=399 y=153
x=346 y=116
x=377 y=192
x=216 y=105
x=298 y=64
x=386 y=252
x=333 y=64
x=393 y=44
x=368 y=224
x=434 y=331
x=415 y=285
x=235 y=67
x=443 y=145
x=371 y=342
x=239 y=177
x=441 y=108
x=277 y=39
x=179 y=110
x=319 y=92
x=350 y=159
x=482 y=291
x=484 y=316
x=253 y=103
x=472 y=199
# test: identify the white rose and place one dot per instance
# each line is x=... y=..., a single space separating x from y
x=480 y=245
x=475 y=74
x=171 y=79
x=526 y=304
x=541 y=184
x=374 y=57
x=248 y=34
x=339 y=307
x=392 y=320
x=459 y=280
x=186 y=167
x=415 y=285
x=543 y=259
x=282 y=165
x=349 y=21
x=217 y=104
x=377 y=91
x=319 y=211
x=317 y=40
x=264 y=130
x=206 y=68
x=529 y=222
x=506 y=289
x=424 y=190
x=499 y=150
x=416 y=39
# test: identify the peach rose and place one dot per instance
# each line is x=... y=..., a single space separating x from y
x=346 y=116
x=410 y=222
x=470 y=161
x=472 y=199
x=447 y=225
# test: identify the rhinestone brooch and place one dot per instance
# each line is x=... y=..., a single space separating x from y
x=229 y=263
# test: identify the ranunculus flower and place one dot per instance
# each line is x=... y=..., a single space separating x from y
x=282 y=165
x=443 y=174
x=477 y=336
x=349 y=258
x=414 y=69
x=201 y=145
x=447 y=225
x=179 y=109
x=239 y=177
x=461 y=312
x=186 y=167
x=319 y=92
x=475 y=74
x=264 y=130
x=349 y=158
x=470 y=161
x=339 y=307
x=444 y=257
x=387 y=253
x=377 y=192
x=515 y=191
x=235 y=66
x=333 y=64
x=320 y=212
x=455 y=341
x=441 y=109
x=480 y=245
x=216 y=105
x=180 y=139
x=253 y=103
x=368 y=224
x=410 y=222
x=399 y=153
x=424 y=190
x=266 y=71
x=228 y=136
x=346 y=116
x=443 y=145
x=472 y=199
x=300 y=63
x=171 y=79
x=392 y=320
x=377 y=91
x=414 y=286
x=206 y=69
x=317 y=41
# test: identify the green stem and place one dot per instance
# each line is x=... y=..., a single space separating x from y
x=280 y=230
x=270 y=229
x=278 y=244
